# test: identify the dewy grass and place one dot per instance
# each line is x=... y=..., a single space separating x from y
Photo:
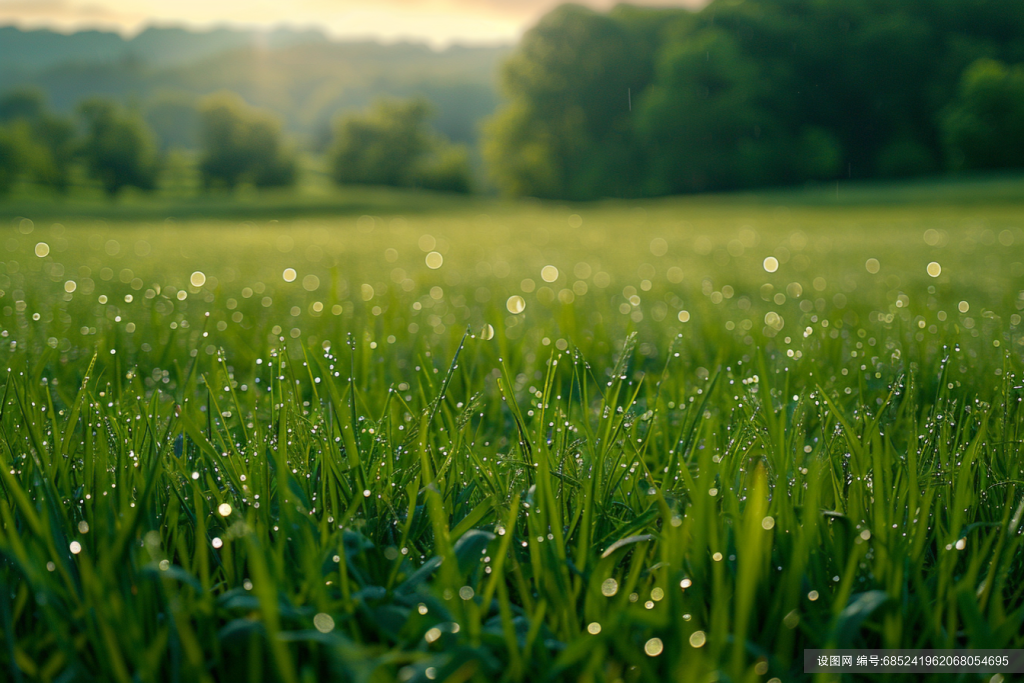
x=299 y=466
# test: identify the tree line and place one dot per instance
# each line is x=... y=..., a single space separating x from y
x=626 y=103
x=390 y=144
x=748 y=93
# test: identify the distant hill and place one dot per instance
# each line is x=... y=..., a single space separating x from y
x=304 y=76
x=29 y=51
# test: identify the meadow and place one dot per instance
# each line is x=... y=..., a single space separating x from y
x=410 y=438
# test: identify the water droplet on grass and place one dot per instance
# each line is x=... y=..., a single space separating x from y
x=323 y=622
x=654 y=647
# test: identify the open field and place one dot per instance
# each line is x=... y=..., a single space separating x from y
x=683 y=439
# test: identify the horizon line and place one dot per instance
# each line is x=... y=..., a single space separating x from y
x=130 y=33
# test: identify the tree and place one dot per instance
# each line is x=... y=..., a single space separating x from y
x=11 y=160
x=708 y=124
x=392 y=144
x=445 y=169
x=118 y=149
x=984 y=126
x=27 y=104
x=382 y=146
x=242 y=144
x=46 y=140
x=567 y=128
x=701 y=119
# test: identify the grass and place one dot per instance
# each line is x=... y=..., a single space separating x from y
x=672 y=464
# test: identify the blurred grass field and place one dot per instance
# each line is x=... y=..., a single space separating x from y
x=682 y=439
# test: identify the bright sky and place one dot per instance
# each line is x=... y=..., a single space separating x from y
x=438 y=22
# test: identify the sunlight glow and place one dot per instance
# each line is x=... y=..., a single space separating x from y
x=437 y=22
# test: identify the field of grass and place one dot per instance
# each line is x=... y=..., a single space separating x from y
x=682 y=440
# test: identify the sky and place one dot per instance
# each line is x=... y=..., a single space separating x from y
x=438 y=22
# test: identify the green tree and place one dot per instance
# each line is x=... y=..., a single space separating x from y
x=984 y=126
x=47 y=140
x=242 y=144
x=118 y=149
x=445 y=169
x=54 y=139
x=708 y=123
x=11 y=160
x=27 y=104
x=392 y=144
x=702 y=120
x=566 y=130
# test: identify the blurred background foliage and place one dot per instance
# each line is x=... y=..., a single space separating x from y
x=241 y=143
x=625 y=103
x=762 y=92
x=393 y=145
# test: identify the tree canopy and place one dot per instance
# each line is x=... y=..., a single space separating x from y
x=39 y=141
x=11 y=161
x=984 y=126
x=242 y=144
x=118 y=149
x=653 y=101
x=392 y=144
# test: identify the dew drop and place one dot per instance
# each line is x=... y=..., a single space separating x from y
x=655 y=647
x=434 y=260
x=516 y=304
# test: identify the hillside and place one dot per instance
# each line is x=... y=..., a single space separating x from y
x=304 y=76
